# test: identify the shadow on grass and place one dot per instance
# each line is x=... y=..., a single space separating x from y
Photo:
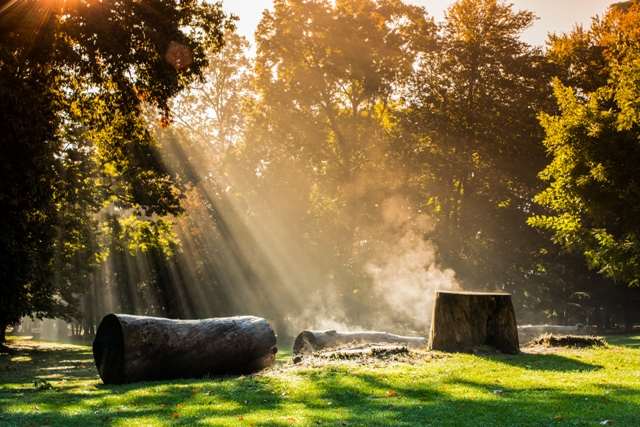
x=631 y=341
x=368 y=400
x=331 y=397
x=51 y=362
x=543 y=362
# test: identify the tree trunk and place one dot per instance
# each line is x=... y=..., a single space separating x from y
x=310 y=341
x=3 y=332
x=87 y=325
x=627 y=313
x=137 y=348
x=600 y=319
x=607 y=318
x=562 y=318
x=3 y=337
x=464 y=320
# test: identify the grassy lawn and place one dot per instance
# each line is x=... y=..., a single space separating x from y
x=632 y=341
x=564 y=387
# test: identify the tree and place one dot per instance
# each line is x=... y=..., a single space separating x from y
x=327 y=76
x=219 y=268
x=211 y=110
x=593 y=193
x=73 y=77
x=472 y=141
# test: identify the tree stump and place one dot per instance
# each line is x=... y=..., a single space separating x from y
x=464 y=320
x=137 y=348
x=310 y=341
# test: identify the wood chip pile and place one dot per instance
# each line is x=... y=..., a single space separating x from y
x=578 y=341
x=363 y=354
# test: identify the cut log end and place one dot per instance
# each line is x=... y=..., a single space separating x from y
x=108 y=350
x=305 y=343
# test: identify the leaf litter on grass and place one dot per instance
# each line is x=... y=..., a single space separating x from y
x=574 y=341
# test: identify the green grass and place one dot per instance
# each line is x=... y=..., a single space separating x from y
x=631 y=341
x=563 y=388
x=284 y=354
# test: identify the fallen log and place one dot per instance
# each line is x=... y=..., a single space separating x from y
x=311 y=341
x=465 y=320
x=137 y=348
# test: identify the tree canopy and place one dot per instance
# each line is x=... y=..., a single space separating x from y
x=472 y=142
x=73 y=75
x=327 y=79
x=362 y=156
x=593 y=188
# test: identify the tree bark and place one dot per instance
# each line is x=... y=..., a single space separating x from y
x=3 y=337
x=464 y=320
x=600 y=319
x=310 y=341
x=627 y=313
x=137 y=348
x=607 y=317
x=3 y=332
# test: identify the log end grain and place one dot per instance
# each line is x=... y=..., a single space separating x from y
x=108 y=350
x=305 y=343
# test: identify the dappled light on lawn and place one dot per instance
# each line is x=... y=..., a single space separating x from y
x=586 y=386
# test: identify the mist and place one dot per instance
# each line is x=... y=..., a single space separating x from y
x=405 y=269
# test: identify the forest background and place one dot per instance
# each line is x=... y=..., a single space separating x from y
x=365 y=156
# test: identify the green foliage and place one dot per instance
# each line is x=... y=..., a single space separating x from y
x=210 y=111
x=472 y=144
x=146 y=235
x=593 y=192
x=317 y=144
x=73 y=77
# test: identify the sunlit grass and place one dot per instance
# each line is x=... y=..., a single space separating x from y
x=565 y=387
x=624 y=340
x=284 y=354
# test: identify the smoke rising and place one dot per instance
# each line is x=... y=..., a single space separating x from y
x=404 y=270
